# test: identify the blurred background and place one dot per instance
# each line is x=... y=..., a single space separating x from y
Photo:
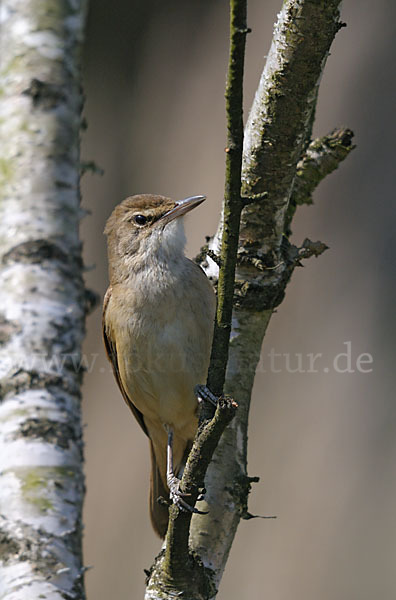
x=323 y=443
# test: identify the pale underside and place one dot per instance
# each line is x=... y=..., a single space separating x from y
x=165 y=335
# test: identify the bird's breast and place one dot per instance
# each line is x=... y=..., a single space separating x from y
x=163 y=344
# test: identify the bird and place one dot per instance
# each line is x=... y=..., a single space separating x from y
x=158 y=318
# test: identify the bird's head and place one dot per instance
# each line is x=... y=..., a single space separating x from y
x=146 y=228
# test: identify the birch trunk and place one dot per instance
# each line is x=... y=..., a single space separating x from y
x=42 y=300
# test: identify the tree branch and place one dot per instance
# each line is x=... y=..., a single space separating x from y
x=276 y=136
x=321 y=158
x=176 y=569
x=170 y=572
x=233 y=204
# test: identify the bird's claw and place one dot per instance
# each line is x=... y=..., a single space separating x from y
x=177 y=497
x=204 y=394
x=201 y=495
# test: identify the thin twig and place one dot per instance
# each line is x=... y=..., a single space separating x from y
x=177 y=563
x=233 y=203
x=176 y=551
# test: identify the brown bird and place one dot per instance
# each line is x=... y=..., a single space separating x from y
x=158 y=318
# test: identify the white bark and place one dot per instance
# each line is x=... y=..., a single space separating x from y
x=41 y=300
x=226 y=479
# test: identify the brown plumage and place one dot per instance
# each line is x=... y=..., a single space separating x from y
x=157 y=325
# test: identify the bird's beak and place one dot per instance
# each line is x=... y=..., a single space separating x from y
x=181 y=208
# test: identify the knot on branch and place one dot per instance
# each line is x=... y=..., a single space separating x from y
x=261 y=279
x=266 y=289
x=243 y=30
x=308 y=249
x=90 y=166
x=44 y=95
x=205 y=252
x=239 y=491
x=262 y=261
x=260 y=294
x=214 y=257
x=251 y=198
x=194 y=580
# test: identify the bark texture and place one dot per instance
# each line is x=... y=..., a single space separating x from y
x=280 y=169
x=42 y=300
x=232 y=203
x=276 y=138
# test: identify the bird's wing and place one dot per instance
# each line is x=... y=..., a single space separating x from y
x=111 y=351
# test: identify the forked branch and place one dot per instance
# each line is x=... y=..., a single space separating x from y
x=280 y=168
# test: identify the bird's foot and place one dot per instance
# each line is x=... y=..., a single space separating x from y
x=204 y=394
x=201 y=495
x=177 y=496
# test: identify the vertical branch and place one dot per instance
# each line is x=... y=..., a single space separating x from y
x=232 y=196
x=177 y=570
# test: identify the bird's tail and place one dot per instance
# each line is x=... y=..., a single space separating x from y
x=159 y=513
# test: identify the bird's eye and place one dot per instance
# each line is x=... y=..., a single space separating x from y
x=140 y=220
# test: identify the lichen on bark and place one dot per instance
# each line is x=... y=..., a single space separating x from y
x=42 y=302
x=276 y=138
